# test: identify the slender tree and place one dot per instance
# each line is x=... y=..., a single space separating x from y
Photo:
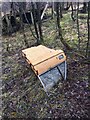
x=84 y=9
x=34 y=20
x=29 y=24
x=88 y=23
x=52 y=10
x=72 y=14
x=21 y=7
x=39 y=21
x=8 y=30
x=13 y=12
x=9 y=26
x=78 y=32
x=67 y=6
x=59 y=27
x=61 y=16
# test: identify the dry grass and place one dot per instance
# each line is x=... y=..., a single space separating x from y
x=23 y=95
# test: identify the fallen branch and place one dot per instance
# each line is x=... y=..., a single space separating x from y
x=78 y=54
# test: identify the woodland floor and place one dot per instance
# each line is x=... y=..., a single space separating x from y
x=22 y=93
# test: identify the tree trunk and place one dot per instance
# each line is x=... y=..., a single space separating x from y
x=29 y=25
x=84 y=9
x=61 y=16
x=13 y=11
x=52 y=10
x=67 y=6
x=8 y=30
x=88 y=23
x=22 y=24
x=72 y=14
x=39 y=22
x=34 y=20
x=78 y=32
x=59 y=27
